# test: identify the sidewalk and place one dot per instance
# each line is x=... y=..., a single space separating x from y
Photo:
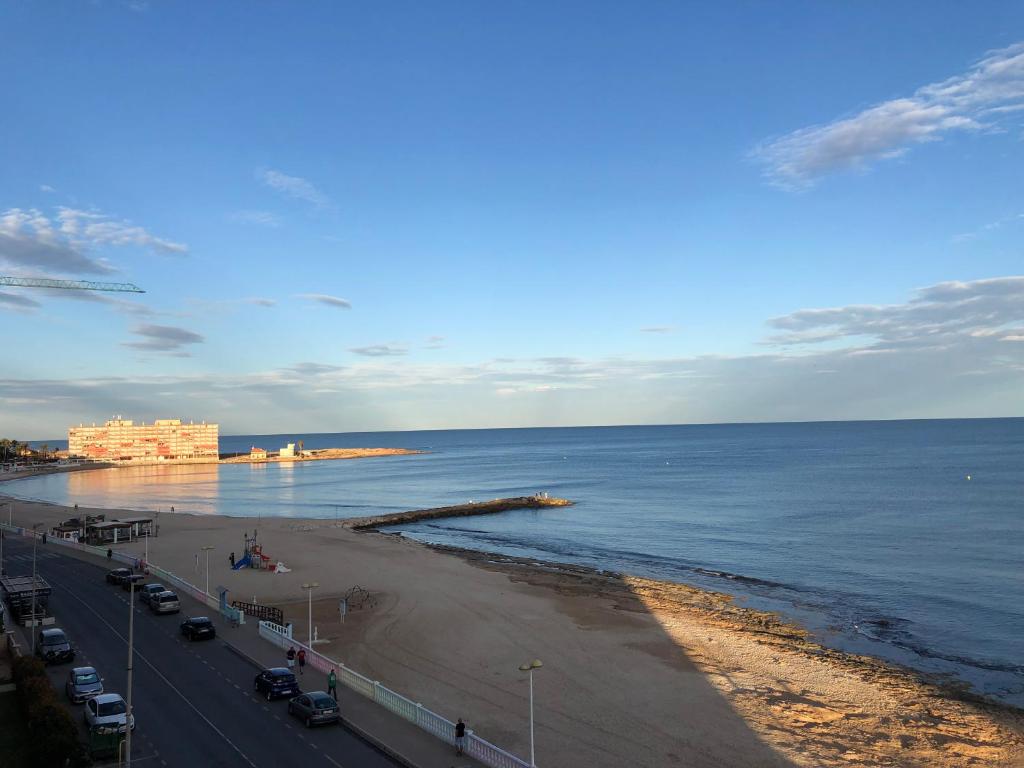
x=395 y=736
x=398 y=738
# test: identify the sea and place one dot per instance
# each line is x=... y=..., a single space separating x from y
x=899 y=539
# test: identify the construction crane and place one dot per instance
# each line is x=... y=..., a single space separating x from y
x=69 y=285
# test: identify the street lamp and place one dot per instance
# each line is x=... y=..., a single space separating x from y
x=207 y=551
x=131 y=652
x=35 y=623
x=310 y=587
x=535 y=664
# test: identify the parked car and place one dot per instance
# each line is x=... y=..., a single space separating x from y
x=118 y=575
x=108 y=710
x=198 y=628
x=165 y=602
x=147 y=591
x=316 y=708
x=277 y=681
x=82 y=684
x=53 y=647
x=132 y=578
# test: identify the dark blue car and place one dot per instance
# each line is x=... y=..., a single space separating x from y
x=277 y=681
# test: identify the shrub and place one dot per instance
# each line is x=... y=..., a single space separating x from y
x=54 y=736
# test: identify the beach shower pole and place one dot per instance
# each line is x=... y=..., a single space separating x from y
x=207 y=551
x=34 y=622
x=310 y=587
x=535 y=664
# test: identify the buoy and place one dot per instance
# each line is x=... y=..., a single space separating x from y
x=968 y=477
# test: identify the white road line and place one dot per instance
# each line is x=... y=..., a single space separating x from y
x=170 y=685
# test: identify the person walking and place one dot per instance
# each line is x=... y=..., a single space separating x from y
x=291 y=657
x=231 y=557
x=110 y=554
x=302 y=660
x=460 y=736
x=332 y=685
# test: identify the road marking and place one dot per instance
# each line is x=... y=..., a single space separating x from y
x=170 y=685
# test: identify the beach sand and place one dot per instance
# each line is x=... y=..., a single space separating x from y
x=636 y=672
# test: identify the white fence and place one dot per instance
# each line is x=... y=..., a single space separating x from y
x=416 y=713
x=178 y=583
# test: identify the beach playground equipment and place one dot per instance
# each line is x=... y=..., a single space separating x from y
x=255 y=558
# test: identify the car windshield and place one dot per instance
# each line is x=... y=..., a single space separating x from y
x=111 y=708
x=325 y=703
x=287 y=677
x=156 y=588
x=87 y=678
x=54 y=639
x=168 y=598
x=200 y=622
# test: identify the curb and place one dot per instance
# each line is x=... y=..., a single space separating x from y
x=348 y=725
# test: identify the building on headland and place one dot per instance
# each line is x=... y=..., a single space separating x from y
x=123 y=440
x=258 y=454
x=288 y=452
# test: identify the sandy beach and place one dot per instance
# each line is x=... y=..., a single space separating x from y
x=636 y=672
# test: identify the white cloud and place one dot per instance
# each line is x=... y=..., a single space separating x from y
x=65 y=243
x=261 y=218
x=379 y=350
x=46 y=188
x=293 y=186
x=326 y=300
x=163 y=338
x=658 y=329
x=973 y=101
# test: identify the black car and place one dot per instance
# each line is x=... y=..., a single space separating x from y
x=118 y=575
x=132 y=578
x=52 y=647
x=277 y=681
x=198 y=628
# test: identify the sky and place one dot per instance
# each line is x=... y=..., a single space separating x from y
x=388 y=216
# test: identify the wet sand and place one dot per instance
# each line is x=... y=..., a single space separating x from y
x=636 y=672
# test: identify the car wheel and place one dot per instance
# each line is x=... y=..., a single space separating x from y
x=309 y=723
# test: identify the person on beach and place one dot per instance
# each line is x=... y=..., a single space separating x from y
x=291 y=657
x=460 y=736
x=332 y=685
x=302 y=660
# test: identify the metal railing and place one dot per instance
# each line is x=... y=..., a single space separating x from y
x=414 y=712
x=232 y=614
x=264 y=612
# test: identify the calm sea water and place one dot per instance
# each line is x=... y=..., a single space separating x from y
x=900 y=539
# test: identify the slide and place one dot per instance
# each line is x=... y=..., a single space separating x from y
x=245 y=562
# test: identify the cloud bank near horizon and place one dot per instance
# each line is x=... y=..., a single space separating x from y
x=952 y=349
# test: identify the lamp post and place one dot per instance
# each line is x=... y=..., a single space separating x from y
x=310 y=587
x=131 y=652
x=34 y=622
x=207 y=551
x=535 y=664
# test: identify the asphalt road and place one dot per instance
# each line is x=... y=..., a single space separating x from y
x=194 y=703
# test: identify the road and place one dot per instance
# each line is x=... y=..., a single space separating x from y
x=194 y=702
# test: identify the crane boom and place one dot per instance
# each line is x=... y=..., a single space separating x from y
x=70 y=285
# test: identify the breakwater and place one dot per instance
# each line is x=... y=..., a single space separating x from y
x=458 y=510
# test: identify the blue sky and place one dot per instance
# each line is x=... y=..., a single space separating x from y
x=458 y=215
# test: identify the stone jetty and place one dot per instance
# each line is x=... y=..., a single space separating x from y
x=458 y=510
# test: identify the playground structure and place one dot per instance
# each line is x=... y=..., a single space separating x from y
x=254 y=557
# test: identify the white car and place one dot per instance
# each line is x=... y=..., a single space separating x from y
x=107 y=710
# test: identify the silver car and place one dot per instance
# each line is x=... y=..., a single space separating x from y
x=82 y=684
x=147 y=592
x=108 y=710
x=314 y=708
x=165 y=602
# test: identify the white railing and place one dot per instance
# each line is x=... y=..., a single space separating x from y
x=177 y=582
x=431 y=722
